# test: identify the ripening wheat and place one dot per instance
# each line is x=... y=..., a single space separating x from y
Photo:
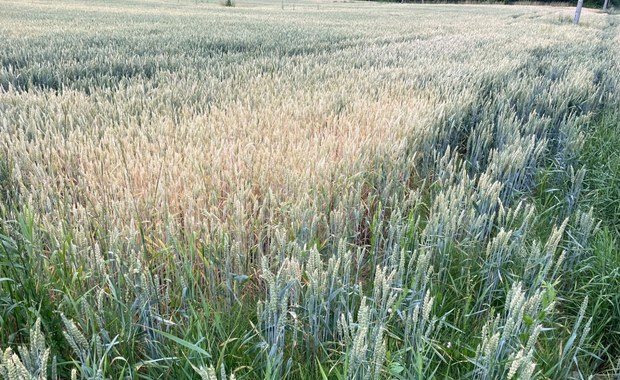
x=334 y=190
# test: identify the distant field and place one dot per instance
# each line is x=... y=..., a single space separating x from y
x=308 y=190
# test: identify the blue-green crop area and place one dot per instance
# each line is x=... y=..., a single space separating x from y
x=308 y=190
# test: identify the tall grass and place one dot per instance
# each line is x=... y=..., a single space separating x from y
x=192 y=191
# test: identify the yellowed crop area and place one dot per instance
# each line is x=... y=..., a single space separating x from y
x=303 y=190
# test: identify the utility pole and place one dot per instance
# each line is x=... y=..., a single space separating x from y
x=578 y=12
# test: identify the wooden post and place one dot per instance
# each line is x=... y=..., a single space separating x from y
x=578 y=12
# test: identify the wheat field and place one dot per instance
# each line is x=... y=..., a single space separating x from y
x=307 y=190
